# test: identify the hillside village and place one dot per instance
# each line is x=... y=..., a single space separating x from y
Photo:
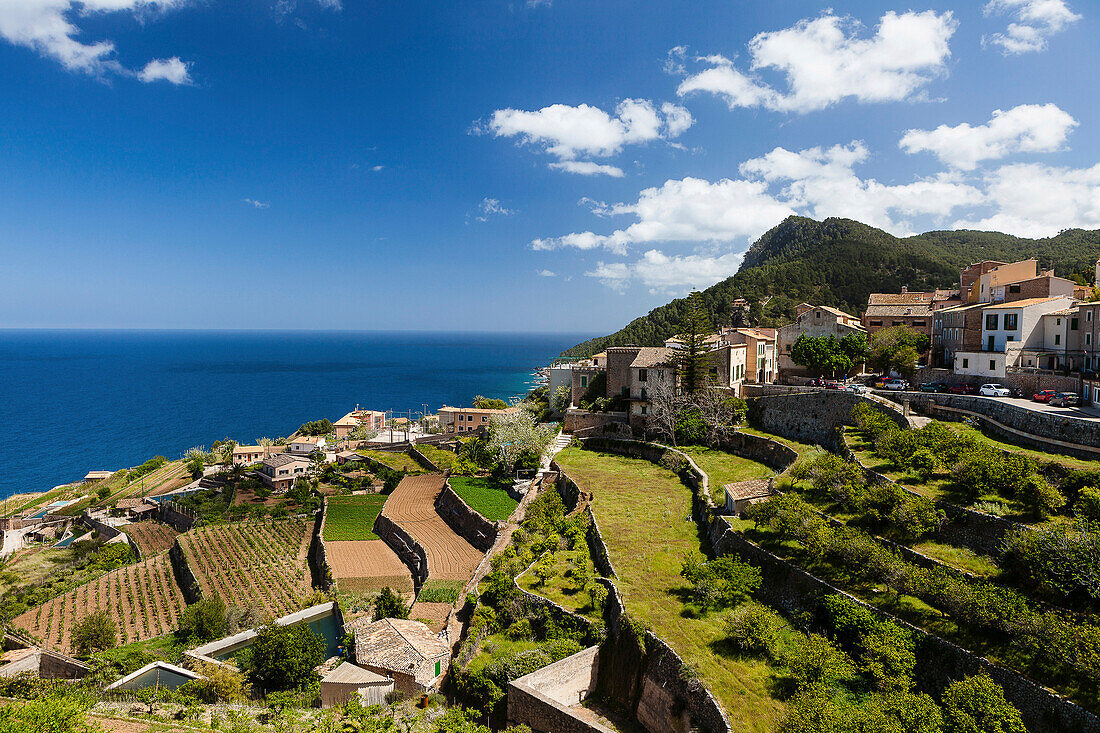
x=717 y=534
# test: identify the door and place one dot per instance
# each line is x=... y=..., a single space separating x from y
x=989 y=347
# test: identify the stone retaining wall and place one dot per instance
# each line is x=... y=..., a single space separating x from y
x=581 y=419
x=422 y=459
x=318 y=552
x=408 y=549
x=791 y=589
x=771 y=453
x=172 y=516
x=1051 y=425
x=467 y=523
x=185 y=578
x=812 y=415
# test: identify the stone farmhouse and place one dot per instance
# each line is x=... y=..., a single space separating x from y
x=405 y=651
x=813 y=321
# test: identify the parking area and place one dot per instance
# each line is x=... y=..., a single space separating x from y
x=1084 y=412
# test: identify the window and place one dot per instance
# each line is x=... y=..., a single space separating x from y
x=1012 y=321
x=1088 y=316
x=1057 y=339
x=1073 y=324
x=484 y=418
x=643 y=375
x=918 y=324
x=817 y=314
x=1013 y=288
x=437 y=668
x=626 y=391
x=990 y=321
x=643 y=408
x=992 y=365
x=966 y=363
x=896 y=323
x=876 y=323
x=584 y=382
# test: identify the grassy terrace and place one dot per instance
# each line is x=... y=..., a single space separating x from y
x=352 y=517
x=644 y=514
x=444 y=459
x=486 y=496
x=724 y=468
x=800 y=448
x=1069 y=462
x=396 y=461
x=561 y=589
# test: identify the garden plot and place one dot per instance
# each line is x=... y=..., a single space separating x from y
x=143 y=600
x=367 y=566
x=151 y=537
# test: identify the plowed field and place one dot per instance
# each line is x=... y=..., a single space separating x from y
x=143 y=600
x=151 y=537
x=261 y=564
x=364 y=566
x=412 y=505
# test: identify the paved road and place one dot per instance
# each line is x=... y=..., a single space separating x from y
x=1085 y=412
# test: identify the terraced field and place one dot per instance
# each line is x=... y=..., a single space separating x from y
x=412 y=506
x=151 y=537
x=261 y=564
x=143 y=599
x=396 y=461
x=367 y=566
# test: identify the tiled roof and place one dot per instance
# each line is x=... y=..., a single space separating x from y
x=899 y=298
x=396 y=644
x=281 y=459
x=835 y=312
x=129 y=503
x=753 y=489
x=1025 y=302
x=652 y=356
x=920 y=310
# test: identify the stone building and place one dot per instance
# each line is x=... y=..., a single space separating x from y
x=813 y=321
x=406 y=651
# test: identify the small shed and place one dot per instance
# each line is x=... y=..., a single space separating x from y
x=155 y=674
x=94 y=477
x=742 y=494
x=346 y=681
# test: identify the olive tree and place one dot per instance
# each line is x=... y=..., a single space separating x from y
x=518 y=436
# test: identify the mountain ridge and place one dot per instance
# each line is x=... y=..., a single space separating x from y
x=838 y=262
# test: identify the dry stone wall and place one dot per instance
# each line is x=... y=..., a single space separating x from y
x=467 y=523
x=408 y=549
x=541 y=699
x=811 y=416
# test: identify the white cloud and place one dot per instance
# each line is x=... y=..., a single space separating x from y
x=170 y=70
x=546 y=273
x=583 y=131
x=1028 y=128
x=1033 y=22
x=1034 y=200
x=685 y=210
x=256 y=204
x=377 y=168
x=662 y=273
x=48 y=27
x=824 y=60
x=588 y=168
x=492 y=207
x=822 y=182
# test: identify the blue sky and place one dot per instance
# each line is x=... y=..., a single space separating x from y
x=548 y=166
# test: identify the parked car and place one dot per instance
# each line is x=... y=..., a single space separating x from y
x=895 y=385
x=994 y=390
x=1044 y=395
x=938 y=387
x=963 y=389
x=857 y=388
x=832 y=384
x=873 y=380
x=1065 y=399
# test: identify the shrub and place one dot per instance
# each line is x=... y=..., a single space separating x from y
x=924 y=463
x=203 y=621
x=976 y=705
x=721 y=583
x=753 y=627
x=1061 y=560
x=284 y=657
x=389 y=605
x=95 y=632
x=1039 y=496
x=872 y=421
x=597 y=593
x=817 y=661
x=1088 y=502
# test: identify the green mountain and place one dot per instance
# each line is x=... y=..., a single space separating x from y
x=839 y=262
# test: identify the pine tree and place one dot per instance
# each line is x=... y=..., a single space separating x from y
x=694 y=358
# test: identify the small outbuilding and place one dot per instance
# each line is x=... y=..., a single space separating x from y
x=743 y=494
x=405 y=650
x=348 y=681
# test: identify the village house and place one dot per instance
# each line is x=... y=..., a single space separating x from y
x=94 y=477
x=1014 y=335
x=249 y=454
x=911 y=309
x=303 y=445
x=956 y=329
x=279 y=472
x=372 y=420
x=729 y=367
x=468 y=419
x=405 y=651
x=760 y=354
x=813 y=321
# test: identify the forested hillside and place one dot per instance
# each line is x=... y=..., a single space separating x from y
x=838 y=262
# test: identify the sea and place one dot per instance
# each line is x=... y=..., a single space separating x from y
x=76 y=401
